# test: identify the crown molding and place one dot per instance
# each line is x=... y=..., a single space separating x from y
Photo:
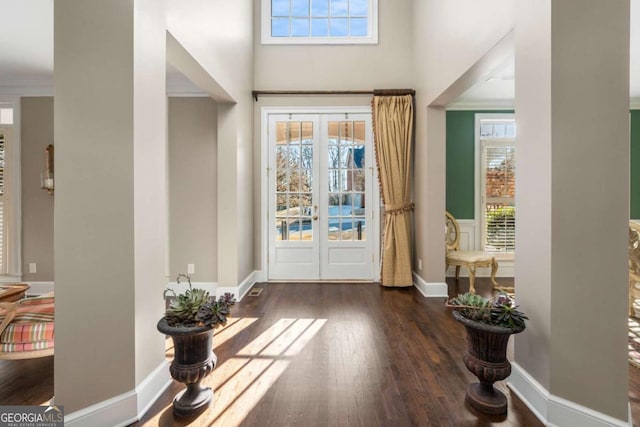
x=482 y=104
x=44 y=87
x=180 y=86
x=506 y=104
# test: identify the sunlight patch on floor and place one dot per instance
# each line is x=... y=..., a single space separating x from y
x=233 y=327
x=242 y=381
x=267 y=337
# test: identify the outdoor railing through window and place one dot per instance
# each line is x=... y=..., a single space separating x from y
x=500 y=229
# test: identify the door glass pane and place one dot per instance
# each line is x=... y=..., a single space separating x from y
x=294 y=186
x=358 y=180
x=346 y=180
x=307 y=133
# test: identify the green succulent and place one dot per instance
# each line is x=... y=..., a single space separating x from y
x=195 y=307
x=499 y=310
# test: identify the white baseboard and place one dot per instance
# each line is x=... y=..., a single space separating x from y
x=126 y=408
x=214 y=288
x=241 y=290
x=555 y=411
x=260 y=276
x=118 y=411
x=430 y=290
x=39 y=288
x=179 y=288
x=150 y=389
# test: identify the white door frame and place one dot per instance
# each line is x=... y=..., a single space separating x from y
x=264 y=178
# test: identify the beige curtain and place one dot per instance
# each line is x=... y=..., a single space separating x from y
x=393 y=134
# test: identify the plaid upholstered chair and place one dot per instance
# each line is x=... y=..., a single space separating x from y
x=27 y=328
x=634 y=265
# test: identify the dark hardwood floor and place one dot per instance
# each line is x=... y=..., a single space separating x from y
x=26 y=382
x=326 y=355
x=340 y=355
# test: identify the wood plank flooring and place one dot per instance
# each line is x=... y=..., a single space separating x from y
x=340 y=355
x=325 y=355
x=26 y=382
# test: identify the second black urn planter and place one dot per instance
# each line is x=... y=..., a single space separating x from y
x=486 y=358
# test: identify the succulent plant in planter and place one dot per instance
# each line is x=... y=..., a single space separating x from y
x=194 y=307
x=499 y=310
x=489 y=323
x=190 y=320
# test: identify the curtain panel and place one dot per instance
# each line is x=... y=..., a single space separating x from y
x=393 y=136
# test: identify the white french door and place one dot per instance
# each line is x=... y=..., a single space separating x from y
x=322 y=191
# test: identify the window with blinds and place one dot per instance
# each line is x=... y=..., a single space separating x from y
x=498 y=185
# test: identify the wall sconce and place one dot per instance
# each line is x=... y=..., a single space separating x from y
x=46 y=178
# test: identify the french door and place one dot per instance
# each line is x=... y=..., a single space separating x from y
x=322 y=192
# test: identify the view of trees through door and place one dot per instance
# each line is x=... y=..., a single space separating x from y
x=322 y=180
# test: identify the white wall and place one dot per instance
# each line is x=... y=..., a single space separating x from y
x=452 y=35
x=37 y=205
x=219 y=35
x=449 y=39
x=193 y=195
x=389 y=64
x=219 y=38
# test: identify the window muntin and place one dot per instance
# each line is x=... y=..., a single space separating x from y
x=319 y=21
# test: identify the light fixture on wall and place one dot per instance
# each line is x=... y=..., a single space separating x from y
x=46 y=178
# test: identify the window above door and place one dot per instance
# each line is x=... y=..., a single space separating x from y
x=319 y=21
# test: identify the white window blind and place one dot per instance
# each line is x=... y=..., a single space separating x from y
x=498 y=185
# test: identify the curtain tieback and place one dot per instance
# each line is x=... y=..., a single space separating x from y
x=397 y=209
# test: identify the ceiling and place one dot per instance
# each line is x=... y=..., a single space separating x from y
x=498 y=89
x=26 y=43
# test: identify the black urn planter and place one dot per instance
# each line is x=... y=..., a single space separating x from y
x=486 y=358
x=194 y=359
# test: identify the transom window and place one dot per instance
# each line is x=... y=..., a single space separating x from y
x=319 y=21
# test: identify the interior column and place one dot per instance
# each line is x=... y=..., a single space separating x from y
x=110 y=202
x=572 y=204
